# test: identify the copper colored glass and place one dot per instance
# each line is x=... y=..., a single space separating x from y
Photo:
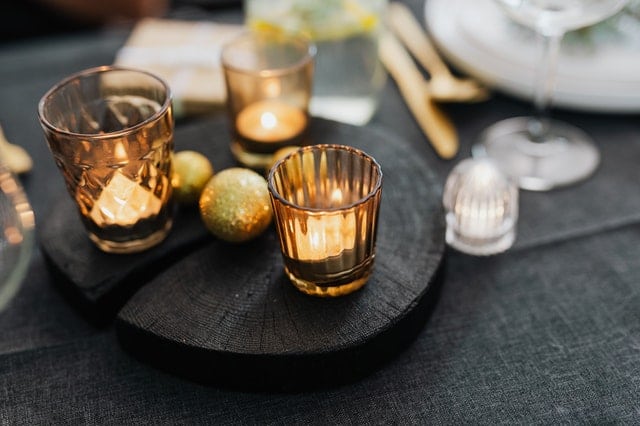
x=326 y=200
x=110 y=131
x=268 y=79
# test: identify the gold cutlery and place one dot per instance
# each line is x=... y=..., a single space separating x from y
x=442 y=85
x=434 y=123
x=16 y=158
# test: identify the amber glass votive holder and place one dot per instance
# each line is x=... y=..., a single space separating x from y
x=326 y=200
x=110 y=131
x=268 y=79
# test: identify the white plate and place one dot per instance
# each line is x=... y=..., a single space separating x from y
x=475 y=35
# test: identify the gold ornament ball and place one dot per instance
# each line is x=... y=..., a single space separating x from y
x=280 y=154
x=191 y=172
x=235 y=205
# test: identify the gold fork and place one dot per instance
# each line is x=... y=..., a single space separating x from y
x=442 y=85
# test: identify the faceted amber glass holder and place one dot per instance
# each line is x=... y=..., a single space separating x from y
x=110 y=131
x=326 y=200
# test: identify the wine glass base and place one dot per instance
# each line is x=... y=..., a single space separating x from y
x=567 y=156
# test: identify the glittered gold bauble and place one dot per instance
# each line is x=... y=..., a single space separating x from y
x=235 y=205
x=280 y=154
x=191 y=172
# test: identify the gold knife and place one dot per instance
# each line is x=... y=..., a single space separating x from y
x=438 y=128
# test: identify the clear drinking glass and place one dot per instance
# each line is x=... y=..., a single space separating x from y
x=538 y=152
x=17 y=223
x=268 y=78
x=348 y=74
x=325 y=201
x=110 y=131
x=481 y=205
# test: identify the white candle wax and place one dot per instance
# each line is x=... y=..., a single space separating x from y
x=270 y=121
x=321 y=237
x=124 y=202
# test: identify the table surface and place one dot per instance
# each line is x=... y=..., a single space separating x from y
x=547 y=332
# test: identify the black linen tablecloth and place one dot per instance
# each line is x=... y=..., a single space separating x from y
x=548 y=332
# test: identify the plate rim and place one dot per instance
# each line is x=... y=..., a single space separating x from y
x=504 y=75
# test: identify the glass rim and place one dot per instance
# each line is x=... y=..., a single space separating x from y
x=308 y=56
x=316 y=210
x=95 y=71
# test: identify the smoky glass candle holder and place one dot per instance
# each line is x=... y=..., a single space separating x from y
x=268 y=79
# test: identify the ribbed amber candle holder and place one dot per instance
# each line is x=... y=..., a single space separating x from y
x=326 y=200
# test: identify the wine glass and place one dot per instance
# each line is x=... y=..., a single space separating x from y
x=541 y=153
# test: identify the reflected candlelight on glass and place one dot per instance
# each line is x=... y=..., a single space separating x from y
x=326 y=200
x=272 y=88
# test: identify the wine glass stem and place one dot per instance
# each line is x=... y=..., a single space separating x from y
x=549 y=45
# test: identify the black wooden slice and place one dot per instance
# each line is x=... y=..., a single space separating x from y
x=98 y=283
x=226 y=314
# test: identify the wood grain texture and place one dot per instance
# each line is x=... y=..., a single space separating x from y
x=226 y=314
x=99 y=283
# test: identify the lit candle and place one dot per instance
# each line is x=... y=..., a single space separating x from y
x=270 y=121
x=482 y=208
x=124 y=202
x=325 y=236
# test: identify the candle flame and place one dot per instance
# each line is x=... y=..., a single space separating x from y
x=336 y=197
x=268 y=120
x=120 y=153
